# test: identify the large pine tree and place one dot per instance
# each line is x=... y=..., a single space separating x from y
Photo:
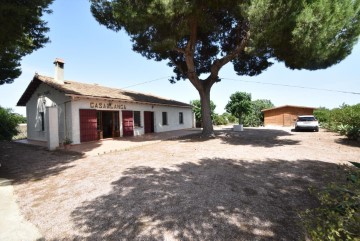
x=200 y=36
x=21 y=32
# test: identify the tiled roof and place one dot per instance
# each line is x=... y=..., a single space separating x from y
x=95 y=91
x=284 y=106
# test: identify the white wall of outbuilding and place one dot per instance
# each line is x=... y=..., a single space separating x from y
x=46 y=96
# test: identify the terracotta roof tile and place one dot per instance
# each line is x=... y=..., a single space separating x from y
x=95 y=91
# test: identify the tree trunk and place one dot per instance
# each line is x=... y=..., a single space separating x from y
x=240 y=119
x=208 y=130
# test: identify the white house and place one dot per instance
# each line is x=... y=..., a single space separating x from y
x=57 y=109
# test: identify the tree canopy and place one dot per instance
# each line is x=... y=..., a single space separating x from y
x=198 y=38
x=239 y=105
x=21 y=32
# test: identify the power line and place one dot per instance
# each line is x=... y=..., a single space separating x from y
x=295 y=86
x=146 y=82
x=257 y=82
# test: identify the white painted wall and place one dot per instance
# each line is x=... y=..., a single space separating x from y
x=173 y=116
x=52 y=128
x=36 y=104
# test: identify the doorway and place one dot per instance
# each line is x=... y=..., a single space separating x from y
x=108 y=124
x=128 y=123
x=149 y=122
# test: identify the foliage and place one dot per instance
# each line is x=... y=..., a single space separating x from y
x=21 y=32
x=239 y=105
x=345 y=120
x=230 y=118
x=220 y=120
x=9 y=122
x=224 y=119
x=22 y=119
x=256 y=117
x=197 y=109
x=338 y=216
x=199 y=37
x=322 y=114
x=67 y=141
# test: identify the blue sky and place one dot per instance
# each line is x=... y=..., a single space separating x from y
x=94 y=54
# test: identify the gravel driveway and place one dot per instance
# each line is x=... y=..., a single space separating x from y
x=237 y=186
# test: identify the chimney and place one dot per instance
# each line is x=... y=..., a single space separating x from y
x=59 y=70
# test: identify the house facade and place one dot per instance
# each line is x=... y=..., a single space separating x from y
x=285 y=115
x=58 y=110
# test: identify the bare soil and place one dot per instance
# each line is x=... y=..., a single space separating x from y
x=249 y=185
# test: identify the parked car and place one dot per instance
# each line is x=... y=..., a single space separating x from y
x=306 y=122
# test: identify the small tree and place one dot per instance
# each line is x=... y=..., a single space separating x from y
x=239 y=105
x=8 y=123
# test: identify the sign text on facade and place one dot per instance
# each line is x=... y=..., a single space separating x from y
x=107 y=105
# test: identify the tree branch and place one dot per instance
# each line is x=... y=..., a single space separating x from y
x=189 y=55
x=179 y=50
x=219 y=63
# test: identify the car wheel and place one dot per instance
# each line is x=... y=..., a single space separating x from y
x=317 y=129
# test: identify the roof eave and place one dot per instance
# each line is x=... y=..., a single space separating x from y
x=30 y=89
x=283 y=106
x=128 y=101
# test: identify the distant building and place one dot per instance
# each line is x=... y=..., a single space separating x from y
x=285 y=115
x=88 y=112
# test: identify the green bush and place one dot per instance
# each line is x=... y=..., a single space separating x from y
x=338 y=216
x=345 y=120
x=220 y=120
x=323 y=116
x=230 y=118
x=256 y=117
x=9 y=122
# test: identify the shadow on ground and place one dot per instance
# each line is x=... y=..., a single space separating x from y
x=256 y=137
x=216 y=199
x=22 y=163
x=347 y=142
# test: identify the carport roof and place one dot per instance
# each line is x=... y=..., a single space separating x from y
x=77 y=89
x=293 y=106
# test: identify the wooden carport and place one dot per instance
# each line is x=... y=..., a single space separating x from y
x=285 y=115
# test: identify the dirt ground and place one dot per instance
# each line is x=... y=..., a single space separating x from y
x=238 y=186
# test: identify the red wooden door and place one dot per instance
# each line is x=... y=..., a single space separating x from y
x=128 y=123
x=149 y=121
x=88 y=125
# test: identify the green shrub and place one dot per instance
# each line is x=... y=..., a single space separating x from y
x=9 y=122
x=256 y=117
x=323 y=116
x=230 y=118
x=345 y=120
x=220 y=120
x=338 y=216
x=351 y=132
